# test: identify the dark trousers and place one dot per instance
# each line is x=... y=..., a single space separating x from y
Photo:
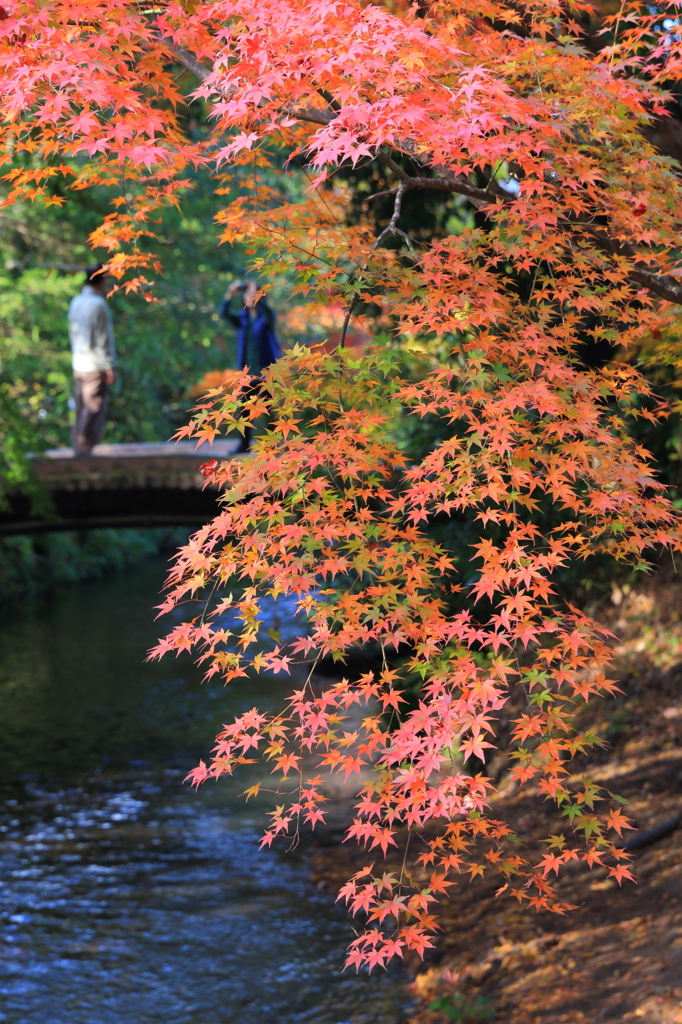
x=91 y=393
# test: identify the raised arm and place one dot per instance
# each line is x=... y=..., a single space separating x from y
x=224 y=308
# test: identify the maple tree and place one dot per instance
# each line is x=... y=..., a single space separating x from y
x=572 y=244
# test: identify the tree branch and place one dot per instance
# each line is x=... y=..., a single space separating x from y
x=390 y=229
x=201 y=72
x=392 y=225
x=189 y=62
x=664 y=286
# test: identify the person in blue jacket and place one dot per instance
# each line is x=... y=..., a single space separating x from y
x=257 y=342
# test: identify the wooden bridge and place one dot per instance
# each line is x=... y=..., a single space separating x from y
x=152 y=484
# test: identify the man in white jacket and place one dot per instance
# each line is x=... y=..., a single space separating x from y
x=93 y=359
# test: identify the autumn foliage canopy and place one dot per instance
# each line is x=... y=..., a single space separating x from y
x=567 y=243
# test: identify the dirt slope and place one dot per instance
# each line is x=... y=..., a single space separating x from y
x=618 y=957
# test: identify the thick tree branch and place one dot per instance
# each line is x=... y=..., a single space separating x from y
x=663 y=286
x=189 y=61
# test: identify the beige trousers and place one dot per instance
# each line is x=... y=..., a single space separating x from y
x=91 y=393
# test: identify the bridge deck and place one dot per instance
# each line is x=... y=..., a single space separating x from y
x=145 y=449
x=146 y=484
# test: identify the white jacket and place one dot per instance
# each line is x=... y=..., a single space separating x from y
x=91 y=332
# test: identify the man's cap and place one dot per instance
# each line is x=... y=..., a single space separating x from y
x=95 y=273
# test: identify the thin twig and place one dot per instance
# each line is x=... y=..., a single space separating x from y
x=346 y=319
x=391 y=228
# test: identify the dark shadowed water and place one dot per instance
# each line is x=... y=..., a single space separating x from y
x=125 y=898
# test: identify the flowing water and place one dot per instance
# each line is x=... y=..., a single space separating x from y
x=124 y=897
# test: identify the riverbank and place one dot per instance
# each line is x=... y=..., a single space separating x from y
x=618 y=957
x=32 y=566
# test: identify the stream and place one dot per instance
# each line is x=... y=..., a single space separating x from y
x=126 y=898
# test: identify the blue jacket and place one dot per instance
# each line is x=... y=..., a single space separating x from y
x=257 y=343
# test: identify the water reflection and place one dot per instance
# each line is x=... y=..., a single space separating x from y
x=125 y=899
